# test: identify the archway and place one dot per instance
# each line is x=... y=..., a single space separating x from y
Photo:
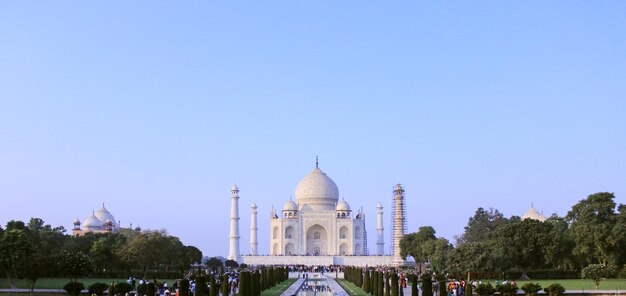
x=357 y=233
x=289 y=249
x=275 y=250
x=289 y=232
x=343 y=249
x=316 y=240
x=275 y=233
x=343 y=232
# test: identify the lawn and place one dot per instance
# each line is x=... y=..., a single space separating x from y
x=351 y=288
x=575 y=284
x=279 y=288
x=58 y=283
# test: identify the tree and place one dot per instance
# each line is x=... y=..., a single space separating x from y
x=481 y=225
x=412 y=244
x=146 y=249
x=231 y=263
x=436 y=251
x=17 y=250
x=598 y=272
x=592 y=222
x=74 y=264
x=472 y=257
x=521 y=243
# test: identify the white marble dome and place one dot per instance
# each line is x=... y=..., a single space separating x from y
x=103 y=215
x=92 y=223
x=533 y=214
x=290 y=206
x=317 y=191
x=343 y=206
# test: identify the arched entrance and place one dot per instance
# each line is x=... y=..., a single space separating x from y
x=316 y=240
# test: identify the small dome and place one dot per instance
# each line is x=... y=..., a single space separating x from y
x=253 y=205
x=343 y=206
x=234 y=188
x=379 y=206
x=290 y=206
x=77 y=222
x=92 y=222
x=317 y=191
x=533 y=214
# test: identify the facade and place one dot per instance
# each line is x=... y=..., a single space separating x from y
x=101 y=221
x=318 y=228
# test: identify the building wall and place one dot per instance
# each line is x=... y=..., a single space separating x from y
x=319 y=260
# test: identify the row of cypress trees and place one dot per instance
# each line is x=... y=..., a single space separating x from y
x=386 y=283
x=375 y=282
x=250 y=283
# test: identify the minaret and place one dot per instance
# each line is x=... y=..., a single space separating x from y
x=399 y=223
x=233 y=253
x=380 y=242
x=254 y=243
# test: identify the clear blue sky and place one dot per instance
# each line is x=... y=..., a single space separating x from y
x=157 y=107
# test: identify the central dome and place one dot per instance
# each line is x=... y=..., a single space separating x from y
x=317 y=191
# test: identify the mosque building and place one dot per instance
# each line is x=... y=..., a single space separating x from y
x=101 y=221
x=318 y=228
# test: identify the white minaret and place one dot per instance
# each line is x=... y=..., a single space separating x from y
x=399 y=223
x=254 y=243
x=380 y=242
x=233 y=253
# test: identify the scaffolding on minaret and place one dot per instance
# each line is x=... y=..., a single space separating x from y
x=398 y=220
x=365 y=251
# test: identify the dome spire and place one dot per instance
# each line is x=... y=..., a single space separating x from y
x=317 y=163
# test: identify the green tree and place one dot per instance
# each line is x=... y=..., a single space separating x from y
x=472 y=257
x=412 y=244
x=592 y=225
x=521 y=243
x=436 y=251
x=74 y=264
x=17 y=250
x=598 y=272
x=481 y=225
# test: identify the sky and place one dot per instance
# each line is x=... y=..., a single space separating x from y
x=156 y=108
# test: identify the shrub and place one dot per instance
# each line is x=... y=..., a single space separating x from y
x=97 y=288
x=73 y=288
x=598 y=272
x=531 y=289
x=507 y=289
x=485 y=289
x=554 y=290
x=123 y=288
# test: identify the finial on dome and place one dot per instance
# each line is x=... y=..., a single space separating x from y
x=317 y=164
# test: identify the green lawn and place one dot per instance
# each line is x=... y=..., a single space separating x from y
x=278 y=289
x=351 y=288
x=58 y=283
x=576 y=284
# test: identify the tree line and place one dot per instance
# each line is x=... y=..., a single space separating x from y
x=590 y=239
x=34 y=250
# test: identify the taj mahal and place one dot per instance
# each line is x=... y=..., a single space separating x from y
x=319 y=229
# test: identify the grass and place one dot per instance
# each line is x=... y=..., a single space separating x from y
x=577 y=284
x=569 y=284
x=58 y=283
x=279 y=288
x=351 y=289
